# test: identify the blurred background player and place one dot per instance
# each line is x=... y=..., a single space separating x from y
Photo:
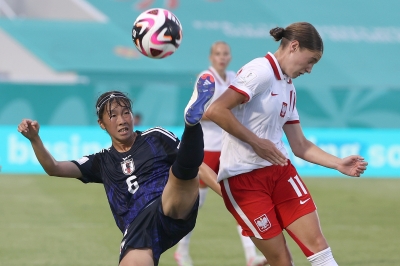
x=137 y=119
x=220 y=57
x=260 y=186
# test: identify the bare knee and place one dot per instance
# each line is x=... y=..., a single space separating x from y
x=309 y=244
x=307 y=233
x=138 y=257
x=319 y=243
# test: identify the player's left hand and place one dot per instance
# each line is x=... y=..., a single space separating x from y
x=353 y=165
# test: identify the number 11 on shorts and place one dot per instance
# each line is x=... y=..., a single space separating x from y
x=296 y=183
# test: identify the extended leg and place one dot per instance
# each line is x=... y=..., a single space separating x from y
x=182 y=188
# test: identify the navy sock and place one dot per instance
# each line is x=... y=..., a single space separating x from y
x=190 y=154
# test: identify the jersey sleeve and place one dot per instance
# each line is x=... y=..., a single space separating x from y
x=230 y=75
x=294 y=117
x=251 y=80
x=89 y=167
x=170 y=143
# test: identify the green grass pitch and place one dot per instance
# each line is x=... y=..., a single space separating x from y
x=62 y=222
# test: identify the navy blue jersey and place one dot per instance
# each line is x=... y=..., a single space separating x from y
x=134 y=178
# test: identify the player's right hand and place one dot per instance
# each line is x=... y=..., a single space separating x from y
x=267 y=150
x=29 y=128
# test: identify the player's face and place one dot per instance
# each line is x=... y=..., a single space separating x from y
x=220 y=56
x=118 y=121
x=302 y=61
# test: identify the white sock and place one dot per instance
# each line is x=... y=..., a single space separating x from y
x=323 y=258
x=183 y=244
x=248 y=246
x=202 y=193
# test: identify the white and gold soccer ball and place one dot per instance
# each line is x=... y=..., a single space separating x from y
x=157 y=33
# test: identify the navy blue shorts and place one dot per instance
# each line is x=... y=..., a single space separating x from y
x=152 y=229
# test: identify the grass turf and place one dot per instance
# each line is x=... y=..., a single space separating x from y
x=49 y=221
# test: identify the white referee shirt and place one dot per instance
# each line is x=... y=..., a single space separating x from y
x=270 y=103
x=212 y=132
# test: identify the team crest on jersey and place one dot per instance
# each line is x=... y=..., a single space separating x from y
x=263 y=223
x=284 y=108
x=246 y=77
x=128 y=166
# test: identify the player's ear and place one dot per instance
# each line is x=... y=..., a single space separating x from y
x=101 y=124
x=294 y=45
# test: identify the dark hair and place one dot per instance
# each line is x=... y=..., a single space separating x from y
x=107 y=98
x=305 y=33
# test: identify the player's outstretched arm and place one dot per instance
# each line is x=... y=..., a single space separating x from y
x=30 y=129
x=353 y=165
x=209 y=177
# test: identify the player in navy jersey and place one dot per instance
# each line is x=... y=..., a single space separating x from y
x=150 y=177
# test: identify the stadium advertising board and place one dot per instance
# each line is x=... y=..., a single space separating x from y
x=380 y=147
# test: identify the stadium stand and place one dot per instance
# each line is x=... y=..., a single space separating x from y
x=80 y=48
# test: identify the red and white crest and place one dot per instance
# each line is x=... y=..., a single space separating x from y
x=263 y=223
x=284 y=108
x=128 y=167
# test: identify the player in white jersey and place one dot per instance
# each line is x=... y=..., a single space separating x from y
x=220 y=57
x=260 y=186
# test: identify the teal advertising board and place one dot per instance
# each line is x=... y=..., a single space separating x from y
x=381 y=148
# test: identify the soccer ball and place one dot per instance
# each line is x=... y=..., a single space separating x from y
x=157 y=33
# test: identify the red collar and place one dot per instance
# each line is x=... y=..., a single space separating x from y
x=276 y=70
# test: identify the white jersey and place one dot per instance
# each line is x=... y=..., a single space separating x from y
x=212 y=132
x=270 y=103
